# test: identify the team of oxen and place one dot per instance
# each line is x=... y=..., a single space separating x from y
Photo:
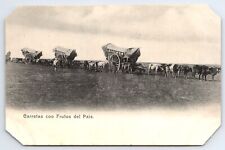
x=177 y=70
x=168 y=70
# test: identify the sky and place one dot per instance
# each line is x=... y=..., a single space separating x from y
x=165 y=33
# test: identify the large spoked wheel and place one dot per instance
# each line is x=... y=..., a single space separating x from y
x=114 y=63
x=28 y=58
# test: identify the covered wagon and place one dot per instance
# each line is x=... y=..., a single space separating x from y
x=121 y=58
x=31 y=55
x=8 y=56
x=64 y=56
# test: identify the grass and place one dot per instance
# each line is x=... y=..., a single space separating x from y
x=36 y=86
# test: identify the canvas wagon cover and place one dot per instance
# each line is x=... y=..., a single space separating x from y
x=32 y=52
x=63 y=51
x=125 y=52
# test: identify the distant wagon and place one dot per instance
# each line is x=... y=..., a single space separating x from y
x=31 y=55
x=121 y=58
x=8 y=56
x=64 y=56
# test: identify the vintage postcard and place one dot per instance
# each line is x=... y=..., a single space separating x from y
x=113 y=75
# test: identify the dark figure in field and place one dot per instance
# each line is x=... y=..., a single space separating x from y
x=96 y=67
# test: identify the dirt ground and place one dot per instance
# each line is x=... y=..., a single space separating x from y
x=36 y=86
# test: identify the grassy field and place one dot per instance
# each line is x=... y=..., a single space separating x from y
x=36 y=86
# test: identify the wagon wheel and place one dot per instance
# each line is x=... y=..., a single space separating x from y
x=28 y=58
x=114 y=62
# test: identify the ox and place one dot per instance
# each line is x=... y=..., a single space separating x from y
x=185 y=69
x=154 y=68
x=102 y=65
x=203 y=71
x=173 y=69
x=214 y=71
x=92 y=65
x=197 y=69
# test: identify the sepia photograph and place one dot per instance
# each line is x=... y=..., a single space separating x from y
x=113 y=75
